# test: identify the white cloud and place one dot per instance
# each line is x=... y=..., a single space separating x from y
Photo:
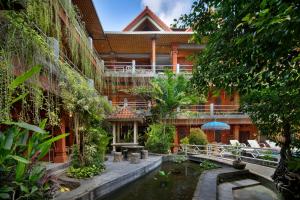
x=168 y=10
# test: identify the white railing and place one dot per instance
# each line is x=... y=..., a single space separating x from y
x=131 y=68
x=191 y=111
x=212 y=109
x=263 y=156
x=134 y=105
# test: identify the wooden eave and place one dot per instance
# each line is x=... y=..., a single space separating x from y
x=140 y=42
x=90 y=18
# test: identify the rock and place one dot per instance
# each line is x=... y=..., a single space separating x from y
x=144 y=154
x=135 y=158
x=117 y=156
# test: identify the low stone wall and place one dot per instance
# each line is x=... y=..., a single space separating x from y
x=111 y=180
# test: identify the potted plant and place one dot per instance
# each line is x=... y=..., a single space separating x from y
x=238 y=163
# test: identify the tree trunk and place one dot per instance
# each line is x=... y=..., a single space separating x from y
x=281 y=174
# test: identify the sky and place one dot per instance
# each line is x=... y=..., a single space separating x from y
x=116 y=14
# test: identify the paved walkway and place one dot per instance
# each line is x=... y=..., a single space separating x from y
x=116 y=175
x=263 y=171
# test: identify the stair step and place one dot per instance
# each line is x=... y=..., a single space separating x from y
x=225 y=189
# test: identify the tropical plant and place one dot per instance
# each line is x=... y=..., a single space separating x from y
x=160 y=137
x=197 y=136
x=253 y=47
x=21 y=176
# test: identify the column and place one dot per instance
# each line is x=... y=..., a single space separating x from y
x=118 y=132
x=135 y=131
x=236 y=98
x=236 y=132
x=174 y=57
x=114 y=136
x=153 y=55
x=60 y=145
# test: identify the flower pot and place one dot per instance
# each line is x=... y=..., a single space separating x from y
x=237 y=164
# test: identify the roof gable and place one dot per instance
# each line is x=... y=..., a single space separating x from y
x=147 y=21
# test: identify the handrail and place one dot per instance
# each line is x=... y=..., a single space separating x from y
x=133 y=68
x=264 y=156
x=195 y=109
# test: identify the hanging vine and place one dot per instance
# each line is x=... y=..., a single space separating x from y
x=25 y=43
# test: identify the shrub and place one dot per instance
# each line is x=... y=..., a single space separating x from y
x=207 y=165
x=197 y=136
x=160 y=137
x=85 y=172
x=185 y=140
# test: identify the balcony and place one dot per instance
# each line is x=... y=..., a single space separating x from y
x=131 y=69
x=210 y=111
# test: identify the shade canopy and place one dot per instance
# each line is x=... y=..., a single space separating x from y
x=215 y=126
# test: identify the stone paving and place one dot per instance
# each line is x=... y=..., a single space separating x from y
x=116 y=175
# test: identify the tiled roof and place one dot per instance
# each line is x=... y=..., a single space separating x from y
x=125 y=114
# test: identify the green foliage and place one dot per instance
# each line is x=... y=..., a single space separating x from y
x=170 y=92
x=207 y=165
x=267 y=155
x=85 y=172
x=197 y=136
x=160 y=137
x=184 y=140
x=253 y=47
x=179 y=158
x=20 y=174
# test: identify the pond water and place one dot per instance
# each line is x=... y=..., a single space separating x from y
x=171 y=181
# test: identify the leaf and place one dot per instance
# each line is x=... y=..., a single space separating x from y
x=45 y=146
x=24 y=188
x=22 y=78
x=20 y=170
x=19 y=98
x=42 y=124
x=4 y=196
x=27 y=126
x=19 y=158
x=9 y=138
x=36 y=173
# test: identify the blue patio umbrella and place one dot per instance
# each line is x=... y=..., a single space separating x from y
x=215 y=126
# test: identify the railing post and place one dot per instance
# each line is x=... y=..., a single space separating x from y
x=185 y=149
x=133 y=66
x=211 y=108
x=177 y=68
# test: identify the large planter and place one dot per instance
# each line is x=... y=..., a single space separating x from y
x=238 y=164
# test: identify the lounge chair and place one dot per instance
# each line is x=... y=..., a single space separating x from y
x=237 y=143
x=255 y=144
x=273 y=145
x=262 y=150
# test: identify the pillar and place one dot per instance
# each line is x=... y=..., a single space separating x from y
x=114 y=136
x=118 y=132
x=236 y=98
x=135 y=131
x=174 y=58
x=153 y=55
x=236 y=132
x=60 y=154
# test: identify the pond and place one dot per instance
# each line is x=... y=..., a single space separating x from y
x=171 y=181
